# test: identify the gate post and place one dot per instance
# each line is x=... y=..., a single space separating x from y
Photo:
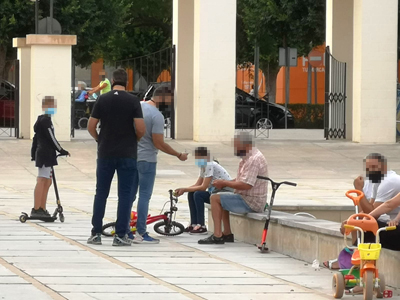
x=16 y=99
x=327 y=87
x=173 y=73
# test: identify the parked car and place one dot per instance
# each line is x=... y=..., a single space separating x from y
x=7 y=103
x=249 y=111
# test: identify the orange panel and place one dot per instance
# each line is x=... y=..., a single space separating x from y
x=96 y=68
x=298 y=82
x=245 y=80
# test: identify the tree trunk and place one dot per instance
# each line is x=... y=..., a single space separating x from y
x=3 y=55
x=270 y=82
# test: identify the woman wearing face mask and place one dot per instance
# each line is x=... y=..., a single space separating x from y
x=199 y=193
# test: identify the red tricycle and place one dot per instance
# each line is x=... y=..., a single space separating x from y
x=167 y=226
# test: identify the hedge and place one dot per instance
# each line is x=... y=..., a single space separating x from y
x=310 y=116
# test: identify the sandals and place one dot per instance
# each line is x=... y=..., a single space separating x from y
x=351 y=292
x=328 y=264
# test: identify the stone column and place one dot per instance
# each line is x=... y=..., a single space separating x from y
x=183 y=30
x=24 y=57
x=375 y=71
x=51 y=60
x=339 y=37
x=205 y=39
x=214 y=70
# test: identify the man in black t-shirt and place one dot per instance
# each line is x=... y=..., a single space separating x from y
x=122 y=125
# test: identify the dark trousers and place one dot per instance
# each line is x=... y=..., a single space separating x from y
x=388 y=239
x=127 y=186
x=196 y=206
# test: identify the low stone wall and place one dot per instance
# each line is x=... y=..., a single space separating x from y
x=304 y=238
x=323 y=212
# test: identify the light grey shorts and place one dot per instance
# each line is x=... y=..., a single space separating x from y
x=44 y=172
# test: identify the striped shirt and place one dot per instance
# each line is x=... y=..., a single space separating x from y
x=251 y=166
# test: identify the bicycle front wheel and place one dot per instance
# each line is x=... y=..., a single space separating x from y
x=169 y=229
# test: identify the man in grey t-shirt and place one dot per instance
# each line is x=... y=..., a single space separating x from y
x=148 y=147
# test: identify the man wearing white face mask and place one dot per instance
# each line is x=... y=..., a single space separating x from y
x=200 y=192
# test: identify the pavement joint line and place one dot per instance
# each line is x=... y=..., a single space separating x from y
x=119 y=263
x=249 y=269
x=30 y=279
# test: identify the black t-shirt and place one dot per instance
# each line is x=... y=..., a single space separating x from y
x=116 y=111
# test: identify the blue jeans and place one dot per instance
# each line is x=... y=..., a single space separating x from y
x=196 y=206
x=147 y=176
x=127 y=186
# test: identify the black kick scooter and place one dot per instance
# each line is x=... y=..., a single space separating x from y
x=57 y=211
x=275 y=186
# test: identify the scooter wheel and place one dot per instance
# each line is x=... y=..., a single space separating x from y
x=264 y=248
x=22 y=218
x=62 y=218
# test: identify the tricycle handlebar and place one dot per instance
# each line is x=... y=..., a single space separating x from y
x=278 y=183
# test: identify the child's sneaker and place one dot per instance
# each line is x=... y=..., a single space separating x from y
x=95 y=239
x=124 y=241
x=145 y=238
x=199 y=230
x=45 y=212
x=36 y=213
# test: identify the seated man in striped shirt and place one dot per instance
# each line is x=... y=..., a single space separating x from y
x=250 y=193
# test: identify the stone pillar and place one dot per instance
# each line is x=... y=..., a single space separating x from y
x=51 y=60
x=214 y=70
x=24 y=57
x=205 y=39
x=183 y=30
x=374 y=71
x=339 y=37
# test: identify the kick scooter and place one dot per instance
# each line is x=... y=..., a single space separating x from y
x=58 y=211
x=268 y=208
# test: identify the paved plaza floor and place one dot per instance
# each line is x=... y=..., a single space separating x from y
x=52 y=260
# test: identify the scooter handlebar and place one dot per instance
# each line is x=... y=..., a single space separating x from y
x=279 y=183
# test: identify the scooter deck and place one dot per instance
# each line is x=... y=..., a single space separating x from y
x=44 y=219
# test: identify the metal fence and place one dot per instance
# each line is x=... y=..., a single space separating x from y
x=335 y=97
x=145 y=73
x=252 y=107
x=9 y=100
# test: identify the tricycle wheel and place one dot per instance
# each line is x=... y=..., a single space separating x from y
x=368 y=285
x=382 y=286
x=338 y=285
x=22 y=218
x=108 y=229
x=169 y=229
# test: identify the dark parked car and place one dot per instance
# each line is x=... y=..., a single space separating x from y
x=250 y=112
x=7 y=103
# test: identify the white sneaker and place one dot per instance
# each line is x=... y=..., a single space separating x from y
x=138 y=239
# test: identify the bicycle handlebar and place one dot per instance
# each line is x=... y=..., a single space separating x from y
x=279 y=183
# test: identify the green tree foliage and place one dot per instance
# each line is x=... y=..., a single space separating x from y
x=15 y=21
x=93 y=21
x=278 y=23
x=145 y=27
